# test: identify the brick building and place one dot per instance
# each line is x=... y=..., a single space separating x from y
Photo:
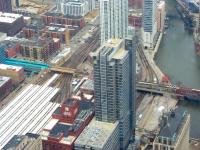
x=67 y=123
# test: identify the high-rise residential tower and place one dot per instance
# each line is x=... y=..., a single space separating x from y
x=113 y=93
x=149 y=22
x=113 y=19
x=5 y=5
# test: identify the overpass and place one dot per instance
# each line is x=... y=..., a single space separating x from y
x=28 y=65
x=180 y=92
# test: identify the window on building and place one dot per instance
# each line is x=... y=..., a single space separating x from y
x=159 y=140
x=169 y=142
x=155 y=147
x=164 y=141
x=162 y=147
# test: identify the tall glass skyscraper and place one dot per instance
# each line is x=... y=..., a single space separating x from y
x=113 y=19
x=149 y=22
x=5 y=5
x=112 y=85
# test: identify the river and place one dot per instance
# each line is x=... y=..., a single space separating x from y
x=176 y=57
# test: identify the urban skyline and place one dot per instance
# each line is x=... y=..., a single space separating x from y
x=99 y=74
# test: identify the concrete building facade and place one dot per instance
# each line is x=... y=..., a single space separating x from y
x=113 y=19
x=112 y=88
x=174 y=133
x=149 y=22
x=161 y=14
x=75 y=7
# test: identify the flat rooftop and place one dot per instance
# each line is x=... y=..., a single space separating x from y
x=28 y=112
x=3 y=80
x=57 y=29
x=96 y=134
x=110 y=44
x=10 y=67
x=14 y=142
x=88 y=84
x=56 y=14
x=60 y=129
x=174 y=123
x=9 y=17
x=17 y=139
x=120 y=53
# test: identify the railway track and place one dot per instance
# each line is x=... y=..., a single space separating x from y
x=76 y=59
x=151 y=75
x=83 y=51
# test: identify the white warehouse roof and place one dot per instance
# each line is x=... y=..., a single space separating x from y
x=9 y=17
x=28 y=112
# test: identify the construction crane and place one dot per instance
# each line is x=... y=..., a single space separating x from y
x=67 y=37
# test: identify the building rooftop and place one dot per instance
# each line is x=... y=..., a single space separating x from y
x=9 y=17
x=10 y=67
x=69 y=102
x=96 y=134
x=88 y=84
x=172 y=123
x=120 y=53
x=161 y=4
x=14 y=142
x=72 y=17
x=51 y=123
x=57 y=14
x=17 y=139
x=110 y=44
x=3 y=80
x=113 y=42
x=76 y=3
x=56 y=29
x=60 y=129
x=33 y=136
x=67 y=132
x=86 y=105
x=36 y=112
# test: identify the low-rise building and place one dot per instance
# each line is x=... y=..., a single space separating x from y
x=5 y=86
x=58 y=18
x=174 y=132
x=99 y=136
x=16 y=73
x=135 y=19
x=87 y=87
x=75 y=8
x=24 y=142
x=11 y=23
x=67 y=123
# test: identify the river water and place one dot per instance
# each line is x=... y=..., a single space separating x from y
x=176 y=58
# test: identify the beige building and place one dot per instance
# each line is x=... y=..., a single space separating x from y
x=174 y=132
x=161 y=14
x=24 y=142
